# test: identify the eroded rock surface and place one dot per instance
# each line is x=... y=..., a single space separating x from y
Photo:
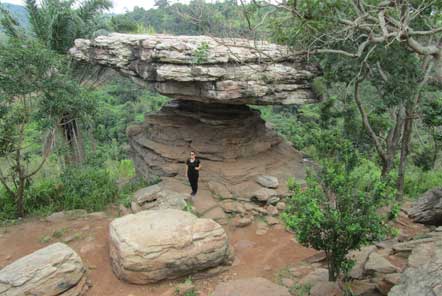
x=151 y=246
x=157 y=197
x=54 y=270
x=233 y=142
x=207 y=69
x=428 y=208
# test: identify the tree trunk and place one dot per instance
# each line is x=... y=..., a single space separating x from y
x=406 y=139
x=20 y=197
x=73 y=141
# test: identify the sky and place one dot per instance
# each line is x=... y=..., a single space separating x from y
x=120 y=6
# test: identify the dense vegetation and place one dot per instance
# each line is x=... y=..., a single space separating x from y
x=376 y=136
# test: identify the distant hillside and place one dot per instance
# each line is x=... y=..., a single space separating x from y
x=19 y=12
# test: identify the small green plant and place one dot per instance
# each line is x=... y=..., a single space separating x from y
x=291 y=183
x=59 y=233
x=201 y=54
x=300 y=290
x=45 y=239
x=394 y=212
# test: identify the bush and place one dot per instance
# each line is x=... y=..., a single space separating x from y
x=87 y=188
x=337 y=212
x=417 y=181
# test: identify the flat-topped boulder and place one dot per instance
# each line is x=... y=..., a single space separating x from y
x=206 y=69
x=54 y=270
x=154 y=245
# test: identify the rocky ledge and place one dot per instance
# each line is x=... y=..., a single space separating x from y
x=206 y=69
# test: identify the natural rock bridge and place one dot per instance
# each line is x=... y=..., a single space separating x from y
x=212 y=80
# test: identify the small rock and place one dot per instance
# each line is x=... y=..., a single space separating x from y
x=387 y=282
x=271 y=220
x=323 y=288
x=267 y=181
x=273 y=200
x=421 y=255
x=184 y=288
x=261 y=228
x=281 y=206
x=317 y=275
x=272 y=210
x=360 y=258
x=264 y=194
x=124 y=211
x=377 y=263
x=242 y=221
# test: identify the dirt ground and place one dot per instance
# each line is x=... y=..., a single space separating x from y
x=255 y=255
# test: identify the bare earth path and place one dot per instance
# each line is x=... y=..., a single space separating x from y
x=255 y=255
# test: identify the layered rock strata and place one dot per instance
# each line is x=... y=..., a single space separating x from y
x=202 y=68
x=151 y=246
x=211 y=81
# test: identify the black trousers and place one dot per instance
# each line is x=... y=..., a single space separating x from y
x=193 y=179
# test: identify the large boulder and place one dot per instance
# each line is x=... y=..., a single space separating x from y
x=206 y=69
x=250 y=287
x=151 y=246
x=54 y=270
x=428 y=208
x=423 y=280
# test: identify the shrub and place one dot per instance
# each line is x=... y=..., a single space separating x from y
x=336 y=213
x=87 y=188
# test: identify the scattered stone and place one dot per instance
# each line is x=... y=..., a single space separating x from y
x=272 y=210
x=410 y=245
x=155 y=197
x=377 y=263
x=265 y=194
x=318 y=257
x=360 y=258
x=219 y=190
x=250 y=287
x=242 y=221
x=387 y=282
x=273 y=200
x=323 y=288
x=317 y=275
x=281 y=206
x=267 y=181
x=271 y=220
x=231 y=207
x=72 y=214
x=98 y=215
x=260 y=211
x=165 y=244
x=261 y=228
x=428 y=208
x=53 y=270
x=363 y=288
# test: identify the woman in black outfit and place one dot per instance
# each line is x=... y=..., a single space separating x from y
x=192 y=171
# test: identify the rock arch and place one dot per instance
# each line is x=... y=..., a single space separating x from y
x=211 y=82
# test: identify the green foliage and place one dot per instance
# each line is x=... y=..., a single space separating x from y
x=201 y=54
x=337 y=212
x=418 y=182
x=87 y=188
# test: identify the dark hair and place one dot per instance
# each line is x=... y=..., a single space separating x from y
x=192 y=152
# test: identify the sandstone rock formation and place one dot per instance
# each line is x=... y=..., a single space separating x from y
x=202 y=68
x=54 y=270
x=250 y=287
x=154 y=245
x=212 y=80
x=428 y=208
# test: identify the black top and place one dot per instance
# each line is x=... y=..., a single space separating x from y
x=191 y=167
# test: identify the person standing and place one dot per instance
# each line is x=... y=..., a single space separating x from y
x=193 y=167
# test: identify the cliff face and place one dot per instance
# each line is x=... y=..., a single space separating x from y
x=206 y=69
x=211 y=81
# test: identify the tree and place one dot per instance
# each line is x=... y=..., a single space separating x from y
x=57 y=23
x=35 y=91
x=357 y=31
x=337 y=212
